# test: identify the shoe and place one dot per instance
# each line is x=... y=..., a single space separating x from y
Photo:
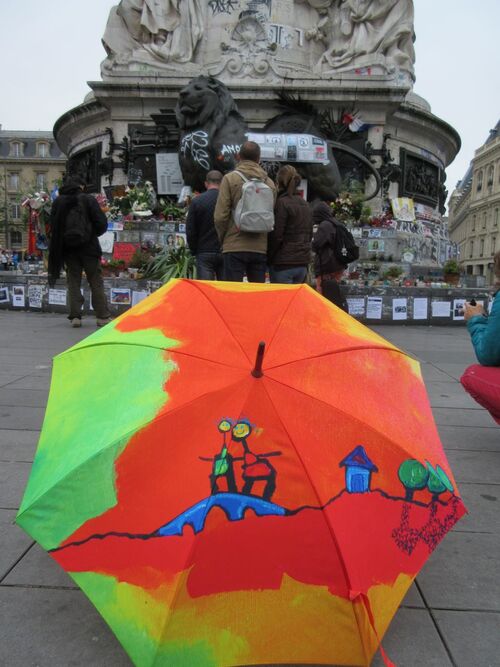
x=102 y=322
x=76 y=322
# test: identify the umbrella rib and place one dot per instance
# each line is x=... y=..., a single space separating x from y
x=170 y=350
x=197 y=287
x=330 y=528
x=295 y=295
x=335 y=407
x=354 y=348
x=185 y=573
x=334 y=539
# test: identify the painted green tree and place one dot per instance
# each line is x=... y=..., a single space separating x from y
x=413 y=476
x=438 y=481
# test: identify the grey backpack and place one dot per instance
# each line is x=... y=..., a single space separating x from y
x=255 y=210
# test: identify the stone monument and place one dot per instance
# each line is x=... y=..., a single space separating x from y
x=347 y=59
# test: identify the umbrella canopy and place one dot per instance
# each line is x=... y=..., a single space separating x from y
x=219 y=510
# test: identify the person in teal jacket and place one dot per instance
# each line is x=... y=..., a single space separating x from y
x=485 y=329
x=482 y=380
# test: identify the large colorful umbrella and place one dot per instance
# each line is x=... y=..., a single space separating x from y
x=225 y=502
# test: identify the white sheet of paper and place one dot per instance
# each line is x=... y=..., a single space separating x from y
x=356 y=305
x=374 y=308
x=458 y=308
x=400 y=309
x=57 y=297
x=441 y=308
x=35 y=296
x=18 y=296
x=138 y=296
x=107 y=241
x=4 y=295
x=420 y=307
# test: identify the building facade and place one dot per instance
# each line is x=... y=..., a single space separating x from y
x=29 y=161
x=474 y=210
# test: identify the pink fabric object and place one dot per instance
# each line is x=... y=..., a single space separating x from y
x=483 y=384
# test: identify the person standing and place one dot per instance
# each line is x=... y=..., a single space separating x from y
x=4 y=260
x=85 y=256
x=201 y=236
x=326 y=264
x=289 y=244
x=482 y=380
x=244 y=253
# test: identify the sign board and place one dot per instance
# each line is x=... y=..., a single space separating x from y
x=291 y=147
x=125 y=251
x=168 y=174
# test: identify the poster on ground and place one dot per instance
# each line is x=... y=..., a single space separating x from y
x=441 y=308
x=138 y=296
x=121 y=296
x=57 y=297
x=356 y=306
x=458 y=309
x=18 y=296
x=420 y=307
x=35 y=296
x=374 y=308
x=4 y=295
x=400 y=309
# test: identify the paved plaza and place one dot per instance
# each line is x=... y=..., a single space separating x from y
x=450 y=617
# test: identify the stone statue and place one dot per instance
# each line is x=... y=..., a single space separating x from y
x=161 y=31
x=363 y=33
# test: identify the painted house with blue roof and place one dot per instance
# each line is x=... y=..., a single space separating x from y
x=358 y=471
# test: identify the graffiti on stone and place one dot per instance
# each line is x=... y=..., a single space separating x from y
x=223 y=6
x=196 y=144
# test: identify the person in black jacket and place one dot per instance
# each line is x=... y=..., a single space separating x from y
x=201 y=236
x=326 y=264
x=86 y=257
x=289 y=244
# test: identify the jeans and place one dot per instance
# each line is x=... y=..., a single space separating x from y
x=295 y=276
x=209 y=266
x=75 y=265
x=237 y=264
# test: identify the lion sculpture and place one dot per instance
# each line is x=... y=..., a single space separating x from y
x=212 y=131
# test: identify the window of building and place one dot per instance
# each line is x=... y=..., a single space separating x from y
x=471 y=249
x=41 y=181
x=473 y=223
x=479 y=186
x=489 y=182
x=15 y=210
x=481 y=247
x=495 y=218
x=16 y=149
x=42 y=149
x=14 y=182
x=484 y=220
x=16 y=237
x=493 y=244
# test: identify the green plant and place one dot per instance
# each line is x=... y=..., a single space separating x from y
x=171 y=263
x=168 y=208
x=393 y=272
x=451 y=267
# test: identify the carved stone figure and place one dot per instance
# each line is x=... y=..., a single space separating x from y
x=212 y=131
x=363 y=33
x=161 y=31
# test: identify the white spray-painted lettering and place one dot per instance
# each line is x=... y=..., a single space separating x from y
x=195 y=144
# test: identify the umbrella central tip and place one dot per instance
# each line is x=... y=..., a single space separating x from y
x=257 y=370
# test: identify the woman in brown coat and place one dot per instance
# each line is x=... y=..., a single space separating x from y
x=289 y=244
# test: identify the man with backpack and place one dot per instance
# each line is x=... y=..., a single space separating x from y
x=76 y=222
x=244 y=216
x=335 y=248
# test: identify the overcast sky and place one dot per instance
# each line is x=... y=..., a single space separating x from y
x=51 y=48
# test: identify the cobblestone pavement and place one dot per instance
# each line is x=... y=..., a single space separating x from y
x=450 y=617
